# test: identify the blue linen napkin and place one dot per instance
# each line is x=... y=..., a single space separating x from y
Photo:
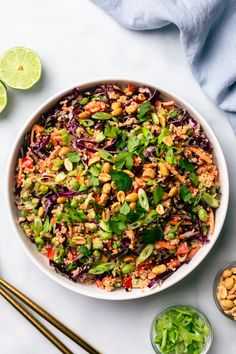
x=207 y=31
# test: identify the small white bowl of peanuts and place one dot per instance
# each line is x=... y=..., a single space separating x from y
x=225 y=290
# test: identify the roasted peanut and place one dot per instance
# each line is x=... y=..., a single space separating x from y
x=115 y=105
x=163 y=169
x=106 y=188
x=173 y=191
x=84 y=115
x=132 y=206
x=222 y=292
x=161 y=268
x=120 y=196
x=104 y=177
x=229 y=283
x=63 y=151
x=141 y=97
x=93 y=160
x=128 y=259
x=149 y=173
x=106 y=215
x=168 y=140
x=132 y=197
x=78 y=240
x=117 y=112
x=61 y=200
x=113 y=185
x=106 y=167
x=115 y=207
x=233 y=270
x=160 y=209
x=131 y=108
x=227 y=304
x=103 y=198
x=227 y=273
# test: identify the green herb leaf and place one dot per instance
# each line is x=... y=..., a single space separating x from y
x=94 y=170
x=73 y=157
x=186 y=165
x=111 y=131
x=152 y=234
x=143 y=109
x=124 y=209
x=185 y=194
x=133 y=143
x=84 y=250
x=157 y=195
x=122 y=180
x=94 y=181
x=124 y=158
x=194 y=178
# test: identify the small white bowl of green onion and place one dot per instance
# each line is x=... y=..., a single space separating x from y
x=179 y=329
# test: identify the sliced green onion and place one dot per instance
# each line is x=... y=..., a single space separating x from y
x=210 y=200
x=146 y=252
x=102 y=268
x=143 y=199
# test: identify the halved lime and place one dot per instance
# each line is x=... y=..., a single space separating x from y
x=3 y=96
x=20 y=68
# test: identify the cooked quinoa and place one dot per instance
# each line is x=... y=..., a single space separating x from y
x=117 y=186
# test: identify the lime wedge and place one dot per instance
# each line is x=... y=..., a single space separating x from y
x=3 y=96
x=20 y=68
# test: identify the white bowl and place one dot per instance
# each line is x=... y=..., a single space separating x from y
x=91 y=290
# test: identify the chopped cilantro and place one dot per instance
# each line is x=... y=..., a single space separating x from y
x=94 y=181
x=124 y=209
x=186 y=165
x=185 y=193
x=152 y=234
x=157 y=195
x=143 y=109
x=84 y=250
x=124 y=158
x=122 y=180
x=111 y=131
x=133 y=143
x=194 y=178
x=73 y=157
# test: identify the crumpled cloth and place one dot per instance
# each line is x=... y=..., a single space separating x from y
x=208 y=35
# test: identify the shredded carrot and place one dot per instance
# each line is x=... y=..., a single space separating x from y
x=163 y=244
x=67 y=109
x=175 y=173
x=193 y=252
x=53 y=220
x=203 y=156
x=211 y=221
x=168 y=103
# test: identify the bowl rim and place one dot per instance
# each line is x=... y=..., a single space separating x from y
x=163 y=309
x=60 y=279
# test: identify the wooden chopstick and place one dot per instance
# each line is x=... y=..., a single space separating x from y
x=47 y=316
x=49 y=335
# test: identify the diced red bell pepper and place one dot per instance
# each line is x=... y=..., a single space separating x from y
x=128 y=283
x=27 y=162
x=51 y=252
x=96 y=197
x=183 y=248
x=131 y=88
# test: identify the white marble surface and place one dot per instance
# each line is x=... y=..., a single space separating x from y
x=76 y=42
